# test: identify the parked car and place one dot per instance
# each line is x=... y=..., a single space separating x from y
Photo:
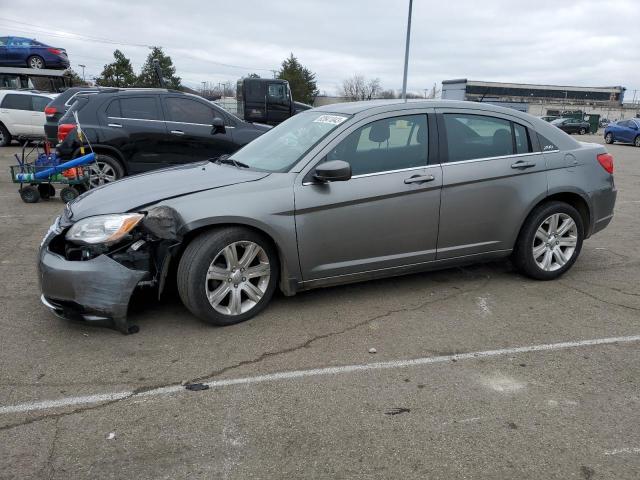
x=27 y=52
x=59 y=106
x=336 y=194
x=137 y=130
x=22 y=115
x=572 y=125
x=624 y=131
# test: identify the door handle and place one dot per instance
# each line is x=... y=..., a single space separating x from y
x=523 y=165
x=177 y=132
x=419 y=179
x=117 y=125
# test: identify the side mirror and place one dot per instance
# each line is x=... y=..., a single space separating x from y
x=218 y=125
x=333 y=171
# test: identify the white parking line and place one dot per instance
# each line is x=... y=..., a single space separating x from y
x=294 y=374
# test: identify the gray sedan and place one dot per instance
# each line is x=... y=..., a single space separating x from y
x=338 y=194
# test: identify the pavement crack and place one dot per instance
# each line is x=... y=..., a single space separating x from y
x=590 y=295
x=49 y=467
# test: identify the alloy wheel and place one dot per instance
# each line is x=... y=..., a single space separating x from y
x=637 y=142
x=609 y=138
x=101 y=173
x=237 y=278
x=36 y=62
x=1 y=137
x=555 y=242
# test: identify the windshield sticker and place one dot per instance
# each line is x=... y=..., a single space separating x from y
x=332 y=119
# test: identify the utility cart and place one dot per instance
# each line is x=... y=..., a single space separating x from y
x=38 y=177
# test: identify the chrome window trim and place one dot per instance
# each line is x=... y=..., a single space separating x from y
x=198 y=124
x=137 y=119
x=483 y=159
x=165 y=121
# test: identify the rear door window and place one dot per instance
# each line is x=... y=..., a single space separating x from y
x=16 y=102
x=472 y=137
x=140 y=108
x=546 y=145
x=185 y=110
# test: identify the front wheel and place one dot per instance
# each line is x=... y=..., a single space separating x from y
x=608 y=138
x=228 y=276
x=5 y=136
x=582 y=131
x=550 y=241
x=636 y=142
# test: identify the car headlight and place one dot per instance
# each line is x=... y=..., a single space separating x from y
x=103 y=229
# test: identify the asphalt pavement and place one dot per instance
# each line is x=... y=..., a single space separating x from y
x=478 y=372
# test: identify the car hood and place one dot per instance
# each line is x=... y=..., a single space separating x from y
x=138 y=191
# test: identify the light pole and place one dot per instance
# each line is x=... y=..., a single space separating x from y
x=82 y=66
x=406 y=53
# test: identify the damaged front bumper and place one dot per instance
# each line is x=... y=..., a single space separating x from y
x=96 y=289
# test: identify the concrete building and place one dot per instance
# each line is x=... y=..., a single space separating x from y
x=544 y=99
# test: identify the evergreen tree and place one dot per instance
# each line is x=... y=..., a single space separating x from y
x=148 y=78
x=117 y=74
x=301 y=80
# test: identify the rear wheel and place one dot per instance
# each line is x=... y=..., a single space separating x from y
x=35 y=61
x=550 y=241
x=106 y=169
x=582 y=131
x=608 y=138
x=29 y=194
x=227 y=276
x=5 y=136
x=636 y=142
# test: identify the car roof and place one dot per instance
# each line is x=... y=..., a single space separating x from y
x=29 y=92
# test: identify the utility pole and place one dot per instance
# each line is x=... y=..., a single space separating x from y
x=406 y=53
x=425 y=92
x=82 y=66
x=203 y=87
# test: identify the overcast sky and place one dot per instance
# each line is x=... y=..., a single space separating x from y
x=582 y=42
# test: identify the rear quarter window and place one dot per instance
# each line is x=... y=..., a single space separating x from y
x=546 y=145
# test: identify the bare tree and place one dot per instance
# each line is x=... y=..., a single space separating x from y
x=359 y=88
x=434 y=92
x=387 y=94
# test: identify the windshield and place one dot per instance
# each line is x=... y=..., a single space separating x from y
x=281 y=148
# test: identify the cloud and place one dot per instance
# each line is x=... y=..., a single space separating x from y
x=588 y=43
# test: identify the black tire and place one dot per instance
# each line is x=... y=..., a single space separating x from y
x=112 y=162
x=523 y=253
x=36 y=61
x=5 y=136
x=582 y=131
x=68 y=194
x=46 y=191
x=608 y=138
x=195 y=262
x=29 y=194
x=636 y=141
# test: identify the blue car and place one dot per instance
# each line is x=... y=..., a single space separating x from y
x=26 y=52
x=624 y=131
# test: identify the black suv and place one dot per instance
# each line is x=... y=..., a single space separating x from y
x=136 y=130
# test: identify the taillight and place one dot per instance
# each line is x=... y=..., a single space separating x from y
x=606 y=160
x=64 y=129
x=49 y=111
x=55 y=51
